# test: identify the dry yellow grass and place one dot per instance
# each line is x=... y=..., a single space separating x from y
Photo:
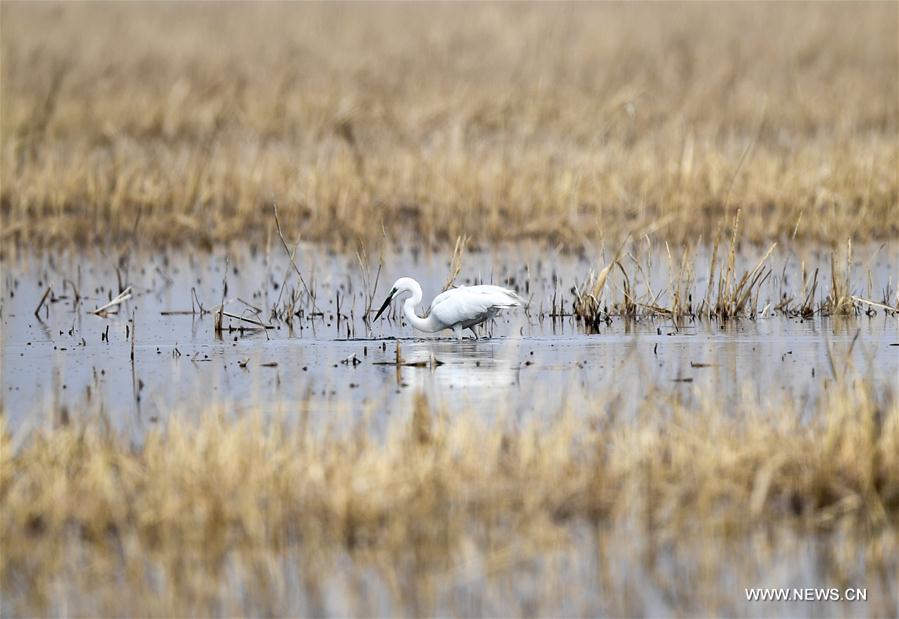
x=622 y=287
x=562 y=123
x=198 y=518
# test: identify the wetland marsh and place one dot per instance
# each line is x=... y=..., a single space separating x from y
x=391 y=456
x=325 y=350
x=200 y=204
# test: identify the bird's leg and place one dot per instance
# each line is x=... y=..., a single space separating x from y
x=458 y=331
x=474 y=331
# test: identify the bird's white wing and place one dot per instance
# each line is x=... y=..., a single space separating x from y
x=500 y=297
x=467 y=303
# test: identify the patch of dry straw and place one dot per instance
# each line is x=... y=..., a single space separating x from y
x=84 y=507
x=175 y=123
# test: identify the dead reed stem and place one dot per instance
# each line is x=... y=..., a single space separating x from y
x=455 y=262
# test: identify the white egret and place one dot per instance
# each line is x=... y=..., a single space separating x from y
x=457 y=308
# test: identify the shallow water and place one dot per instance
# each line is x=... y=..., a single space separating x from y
x=62 y=358
x=160 y=356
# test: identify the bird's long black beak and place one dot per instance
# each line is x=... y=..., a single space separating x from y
x=386 y=303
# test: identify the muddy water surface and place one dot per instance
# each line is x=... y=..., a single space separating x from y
x=159 y=351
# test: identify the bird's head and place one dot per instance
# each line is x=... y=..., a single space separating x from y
x=403 y=284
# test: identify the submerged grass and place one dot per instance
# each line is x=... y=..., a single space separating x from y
x=201 y=515
x=623 y=287
x=174 y=123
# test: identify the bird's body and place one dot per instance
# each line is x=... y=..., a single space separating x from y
x=457 y=308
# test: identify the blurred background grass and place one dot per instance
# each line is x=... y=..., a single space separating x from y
x=564 y=123
x=250 y=514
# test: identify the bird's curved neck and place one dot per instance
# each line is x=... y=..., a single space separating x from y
x=428 y=325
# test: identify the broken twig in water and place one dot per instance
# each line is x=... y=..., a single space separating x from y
x=219 y=312
x=252 y=321
x=121 y=298
x=43 y=300
x=290 y=256
x=399 y=361
x=874 y=304
x=352 y=360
